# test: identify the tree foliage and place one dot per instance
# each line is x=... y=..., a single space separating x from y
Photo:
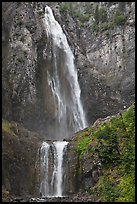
x=113 y=143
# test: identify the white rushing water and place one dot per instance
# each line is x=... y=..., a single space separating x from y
x=59 y=148
x=63 y=81
x=69 y=114
x=44 y=152
x=52 y=186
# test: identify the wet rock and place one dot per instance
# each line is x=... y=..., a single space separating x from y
x=20 y=173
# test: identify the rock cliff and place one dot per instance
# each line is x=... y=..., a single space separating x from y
x=20 y=169
x=98 y=164
x=102 y=38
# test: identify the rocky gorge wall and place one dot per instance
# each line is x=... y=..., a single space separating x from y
x=98 y=164
x=102 y=38
x=20 y=169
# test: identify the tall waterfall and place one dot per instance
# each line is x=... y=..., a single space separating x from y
x=64 y=98
x=63 y=82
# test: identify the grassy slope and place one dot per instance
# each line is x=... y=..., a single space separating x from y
x=112 y=142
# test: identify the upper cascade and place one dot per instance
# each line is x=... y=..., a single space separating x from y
x=63 y=81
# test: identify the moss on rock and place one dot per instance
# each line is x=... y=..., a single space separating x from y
x=5 y=195
x=111 y=142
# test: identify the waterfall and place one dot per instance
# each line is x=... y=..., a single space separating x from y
x=58 y=170
x=52 y=186
x=68 y=115
x=44 y=187
x=63 y=82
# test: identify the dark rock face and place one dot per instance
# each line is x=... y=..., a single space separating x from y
x=106 y=70
x=20 y=172
x=22 y=46
x=104 y=59
x=71 y=166
x=80 y=174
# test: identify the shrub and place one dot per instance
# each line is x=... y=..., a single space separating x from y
x=64 y=7
x=40 y=12
x=6 y=127
x=101 y=19
x=100 y=15
x=119 y=18
x=113 y=142
x=81 y=17
x=106 y=25
x=109 y=192
x=126 y=188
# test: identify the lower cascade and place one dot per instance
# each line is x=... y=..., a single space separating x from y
x=51 y=162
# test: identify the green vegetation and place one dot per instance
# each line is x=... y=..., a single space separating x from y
x=65 y=7
x=100 y=15
x=119 y=18
x=112 y=142
x=6 y=128
x=84 y=141
x=5 y=195
x=76 y=15
x=40 y=12
x=81 y=17
x=106 y=26
x=102 y=22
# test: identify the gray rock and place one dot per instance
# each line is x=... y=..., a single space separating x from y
x=105 y=60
